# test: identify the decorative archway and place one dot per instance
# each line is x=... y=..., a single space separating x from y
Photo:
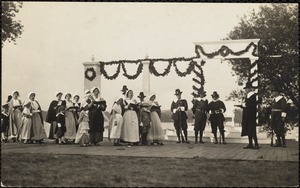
x=227 y=49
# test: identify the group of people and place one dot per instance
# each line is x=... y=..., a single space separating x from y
x=131 y=121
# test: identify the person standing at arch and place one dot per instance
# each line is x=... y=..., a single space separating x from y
x=52 y=111
x=216 y=109
x=70 y=123
x=200 y=110
x=144 y=118
x=279 y=107
x=179 y=108
x=124 y=91
x=249 y=117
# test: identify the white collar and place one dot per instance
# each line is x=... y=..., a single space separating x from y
x=199 y=99
x=59 y=113
x=278 y=98
x=215 y=100
x=250 y=94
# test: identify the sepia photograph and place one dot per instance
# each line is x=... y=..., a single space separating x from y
x=149 y=94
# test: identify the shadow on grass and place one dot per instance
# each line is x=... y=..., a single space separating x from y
x=107 y=171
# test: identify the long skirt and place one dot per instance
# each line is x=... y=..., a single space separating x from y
x=25 y=129
x=116 y=126
x=39 y=132
x=15 y=122
x=83 y=136
x=156 y=132
x=130 y=129
x=70 y=126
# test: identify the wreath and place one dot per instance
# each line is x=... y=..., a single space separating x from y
x=89 y=71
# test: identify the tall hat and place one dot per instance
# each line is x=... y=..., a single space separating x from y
x=9 y=98
x=141 y=95
x=177 y=92
x=124 y=88
x=248 y=85
x=215 y=94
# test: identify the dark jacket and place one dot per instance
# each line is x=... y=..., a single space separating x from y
x=249 y=116
x=179 y=114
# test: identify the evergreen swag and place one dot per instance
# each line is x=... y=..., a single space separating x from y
x=223 y=51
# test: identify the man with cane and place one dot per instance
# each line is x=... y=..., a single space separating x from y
x=179 y=116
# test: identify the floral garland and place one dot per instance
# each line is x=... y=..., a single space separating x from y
x=90 y=70
x=132 y=77
x=225 y=51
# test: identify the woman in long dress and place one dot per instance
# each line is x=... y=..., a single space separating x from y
x=156 y=132
x=98 y=104
x=39 y=132
x=25 y=131
x=70 y=119
x=52 y=111
x=116 y=122
x=130 y=129
x=83 y=136
x=15 y=115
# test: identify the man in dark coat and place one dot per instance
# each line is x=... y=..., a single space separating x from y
x=216 y=109
x=249 y=117
x=279 y=107
x=179 y=116
x=200 y=110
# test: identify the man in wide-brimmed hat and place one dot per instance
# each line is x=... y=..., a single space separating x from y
x=249 y=116
x=179 y=108
x=216 y=109
x=144 y=118
x=278 y=115
x=200 y=110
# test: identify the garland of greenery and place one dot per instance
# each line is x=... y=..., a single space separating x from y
x=189 y=69
x=154 y=71
x=87 y=71
x=132 y=77
x=114 y=76
x=225 y=51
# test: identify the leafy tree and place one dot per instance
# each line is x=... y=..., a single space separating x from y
x=277 y=27
x=11 y=29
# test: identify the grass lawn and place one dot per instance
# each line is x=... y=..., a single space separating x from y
x=108 y=171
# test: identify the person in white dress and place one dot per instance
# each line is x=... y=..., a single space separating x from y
x=116 y=121
x=25 y=130
x=83 y=136
x=156 y=132
x=130 y=129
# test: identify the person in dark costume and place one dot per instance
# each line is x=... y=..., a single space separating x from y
x=279 y=107
x=60 y=129
x=144 y=118
x=179 y=108
x=249 y=117
x=51 y=115
x=200 y=110
x=4 y=122
x=96 y=117
x=124 y=91
x=77 y=107
x=216 y=109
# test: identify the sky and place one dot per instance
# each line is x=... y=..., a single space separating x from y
x=59 y=36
